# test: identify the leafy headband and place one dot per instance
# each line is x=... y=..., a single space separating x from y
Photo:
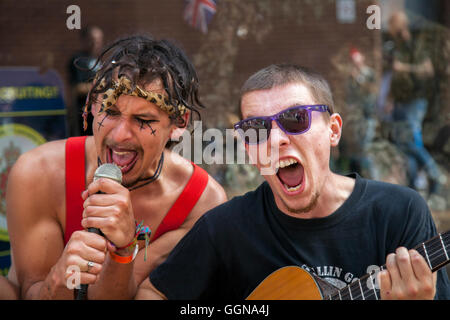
x=123 y=86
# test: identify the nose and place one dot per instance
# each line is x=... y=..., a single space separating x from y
x=122 y=130
x=277 y=136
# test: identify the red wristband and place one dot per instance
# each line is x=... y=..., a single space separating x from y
x=124 y=260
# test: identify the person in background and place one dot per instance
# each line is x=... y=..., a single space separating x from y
x=412 y=72
x=361 y=100
x=82 y=68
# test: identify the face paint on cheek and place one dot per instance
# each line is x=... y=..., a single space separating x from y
x=152 y=130
x=100 y=123
x=148 y=124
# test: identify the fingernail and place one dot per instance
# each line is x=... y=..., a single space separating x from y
x=390 y=259
x=403 y=254
x=414 y=254
x=401 y=250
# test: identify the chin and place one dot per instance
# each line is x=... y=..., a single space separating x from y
x=297 y=208
x=129 y=179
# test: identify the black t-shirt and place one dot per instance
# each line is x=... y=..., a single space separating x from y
x=236 y=245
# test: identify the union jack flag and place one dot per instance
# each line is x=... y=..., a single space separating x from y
x=198 y=13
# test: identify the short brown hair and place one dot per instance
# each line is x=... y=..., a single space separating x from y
x=280 y=74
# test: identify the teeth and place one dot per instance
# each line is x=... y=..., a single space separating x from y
x=285 y=163
x=121 y=153
x=293 y=188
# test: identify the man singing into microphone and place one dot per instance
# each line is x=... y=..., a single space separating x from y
x=143 y=95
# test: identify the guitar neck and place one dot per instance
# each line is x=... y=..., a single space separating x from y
x=435 y=251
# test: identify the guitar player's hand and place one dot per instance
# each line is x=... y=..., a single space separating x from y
x=407 y=277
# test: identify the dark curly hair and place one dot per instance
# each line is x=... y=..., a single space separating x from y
x=142 y=59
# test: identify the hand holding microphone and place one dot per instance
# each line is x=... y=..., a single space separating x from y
x=108 y=171
x=108 y=211
x=107 y=206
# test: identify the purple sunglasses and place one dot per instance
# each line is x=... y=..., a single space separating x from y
x=294 y=120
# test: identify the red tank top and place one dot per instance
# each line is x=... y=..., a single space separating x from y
x=76 y=184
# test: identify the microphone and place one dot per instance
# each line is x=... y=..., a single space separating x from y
x=108 y=171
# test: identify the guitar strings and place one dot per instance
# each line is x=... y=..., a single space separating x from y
x=435 y=242
x=436 y=252
x=438 y=242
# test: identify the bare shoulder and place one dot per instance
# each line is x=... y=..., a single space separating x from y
x=42 y=166
x=212 y=196
x=34 y=201
x=47 y=156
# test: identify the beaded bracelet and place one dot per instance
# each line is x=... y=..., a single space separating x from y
x=132 y=243
x=142 y=233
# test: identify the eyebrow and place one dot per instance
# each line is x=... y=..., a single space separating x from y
x=146 y=115
x=294 y=104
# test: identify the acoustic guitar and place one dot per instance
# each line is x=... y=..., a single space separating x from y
x=295 y=283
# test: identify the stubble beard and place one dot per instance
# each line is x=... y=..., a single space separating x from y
x=309 y=207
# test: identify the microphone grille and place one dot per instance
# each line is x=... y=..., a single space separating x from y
x=109 y=171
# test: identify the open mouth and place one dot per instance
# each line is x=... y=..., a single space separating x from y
x=124 y=159
x=291 y=175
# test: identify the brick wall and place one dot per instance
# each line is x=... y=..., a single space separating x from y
x=34 y=33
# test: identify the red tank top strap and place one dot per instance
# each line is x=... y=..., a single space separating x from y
x=185 y=202
x=75 y=184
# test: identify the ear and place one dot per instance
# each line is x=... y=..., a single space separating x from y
x=335 y=129
x=176 y=131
